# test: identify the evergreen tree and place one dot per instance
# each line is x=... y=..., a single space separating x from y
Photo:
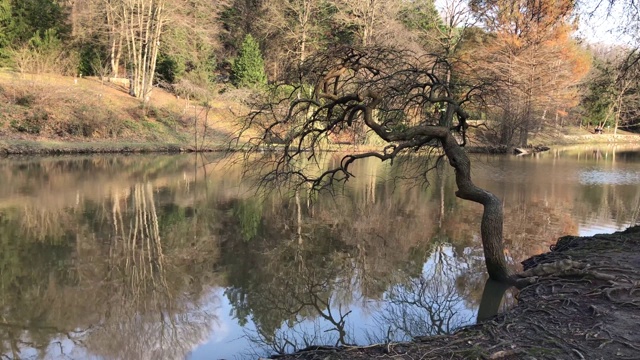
x=21 y=20
x=5 y=15
x=248 y=68
x=28 y=17
x=5 y=9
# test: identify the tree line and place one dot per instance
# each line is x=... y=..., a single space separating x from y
x=540 y=74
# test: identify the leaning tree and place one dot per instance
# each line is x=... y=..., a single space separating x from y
x=391 y=94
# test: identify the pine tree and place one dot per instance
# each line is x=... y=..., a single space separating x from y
x=5 y=14
x=248 y=69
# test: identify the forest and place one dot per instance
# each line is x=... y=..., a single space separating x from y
x=522 y=61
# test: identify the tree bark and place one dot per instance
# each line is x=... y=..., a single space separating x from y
x=492 y=217
x=491 y=228
x=492 y=295
x=143 y=21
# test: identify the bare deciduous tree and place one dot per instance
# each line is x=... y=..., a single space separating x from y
x=390 y=93
x=371 y=20
x=291 y=30
x=115 y=32
x=143 y=25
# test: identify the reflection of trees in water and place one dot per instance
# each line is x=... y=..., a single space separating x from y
x=308 y=272
x=430 y=304
x=145 y=317
x=29 y=265
x=350 y=234
x=137 y=251
x=583 y=182
x=303 y=305
x=607 y=203
x=63 y=182
x=101 y=277
x=533 y=225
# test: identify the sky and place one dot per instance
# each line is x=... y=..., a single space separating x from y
x=597 y=26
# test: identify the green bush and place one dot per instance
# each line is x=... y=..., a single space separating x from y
x=152 y=126
x=92 y=60
x=132 y=125
x=169 y=68
x=168 y=120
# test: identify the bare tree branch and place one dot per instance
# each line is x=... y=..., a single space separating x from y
x=392 y=95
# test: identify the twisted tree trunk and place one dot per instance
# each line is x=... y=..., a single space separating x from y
x=492 y=217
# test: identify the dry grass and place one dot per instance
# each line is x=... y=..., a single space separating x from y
x=50 y=107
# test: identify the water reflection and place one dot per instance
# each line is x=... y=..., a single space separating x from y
x=99 y=272
x=153 y=257
x=618 y=177
x=433 y=303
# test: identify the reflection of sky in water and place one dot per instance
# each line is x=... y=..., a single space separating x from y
x=609 y=177
x=60 y=348
x=227 y=337
x=229 y=340
x=592 y=229
x=596 y=178
x=601 y=180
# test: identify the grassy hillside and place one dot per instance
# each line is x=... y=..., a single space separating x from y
x=57 y=114
x=51 y=111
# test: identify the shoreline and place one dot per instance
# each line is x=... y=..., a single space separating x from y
x=581 y=306
x=48 y=147
x=70 y=147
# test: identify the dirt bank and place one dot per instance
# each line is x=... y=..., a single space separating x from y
x=586 y=307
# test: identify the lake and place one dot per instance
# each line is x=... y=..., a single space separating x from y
x=178 y=257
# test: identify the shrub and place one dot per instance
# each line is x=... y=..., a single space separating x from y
x=47 y=50
x=79 y=128
x=93 y=60
x=32 y=122
x=89 y=121
x=169 y=68
x=132 y=125
x=113 y=125
x=26 y=100
x=167 y=119
x=152 y=126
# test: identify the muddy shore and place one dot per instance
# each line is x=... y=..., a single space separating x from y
x=584 y=303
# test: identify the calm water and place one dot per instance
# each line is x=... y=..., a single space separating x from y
x=163 y=257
